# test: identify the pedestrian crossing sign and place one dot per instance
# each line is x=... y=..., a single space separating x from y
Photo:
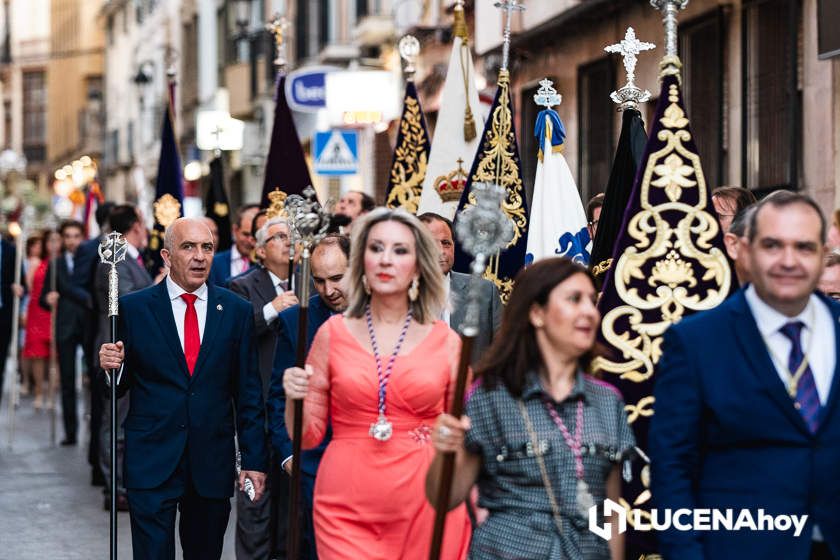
x=336 y=152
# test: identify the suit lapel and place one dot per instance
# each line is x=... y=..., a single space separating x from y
x=162 y=311
x=755 y=349
x=264 y=286
x=215 y=312
x=834 y=392
x=457 y=296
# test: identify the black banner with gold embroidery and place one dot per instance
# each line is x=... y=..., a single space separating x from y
x=411 y=155
x=216 y=204
x=497 y=161
x=668 y=262
x=628 y=158
x=169 y=190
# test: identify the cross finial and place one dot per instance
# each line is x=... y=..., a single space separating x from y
x=278 y=27
x=508 y=7
x=629 y=48
x=547 y=96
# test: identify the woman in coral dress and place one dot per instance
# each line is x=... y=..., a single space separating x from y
x=36 y=343
x=381 y=373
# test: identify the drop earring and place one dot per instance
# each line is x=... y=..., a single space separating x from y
x=365 y=284
x=414 y=290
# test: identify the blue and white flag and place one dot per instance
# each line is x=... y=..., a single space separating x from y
x=558 y=221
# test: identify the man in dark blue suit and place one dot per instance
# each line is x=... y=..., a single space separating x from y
x=747 y=401
x=7 y=279
x=236 y=260
x=188 y=357
x=329 y=263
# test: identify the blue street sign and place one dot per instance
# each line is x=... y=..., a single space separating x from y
x=306 y=88
x=336 y=152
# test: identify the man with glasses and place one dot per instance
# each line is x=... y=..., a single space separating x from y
x=233 y=262
x=268 y=291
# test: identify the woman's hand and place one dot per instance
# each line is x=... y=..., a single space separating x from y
x=296 y=382
x=448 y=433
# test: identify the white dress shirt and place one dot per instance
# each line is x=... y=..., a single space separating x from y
x=447 y=309
x=818 y=340
x=179 y=307
x=269 y=313
x=239 y=263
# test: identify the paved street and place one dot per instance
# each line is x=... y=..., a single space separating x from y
x=48 y=509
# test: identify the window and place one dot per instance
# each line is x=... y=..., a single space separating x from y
x=701 y=52
x=34 y=116
x=596 y=123
x=528 y=146
x=323 y=23
x=302 y=30
x=129 y=138
x=361 y=8
x=771 y=96
x=7 y=123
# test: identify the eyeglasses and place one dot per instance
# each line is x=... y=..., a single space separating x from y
x=279 y=237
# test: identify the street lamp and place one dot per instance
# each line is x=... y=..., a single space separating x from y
x=242 y=10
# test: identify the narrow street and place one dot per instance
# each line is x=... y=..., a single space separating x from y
x=48 y=509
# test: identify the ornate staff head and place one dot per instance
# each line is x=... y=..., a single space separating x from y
x=409 y=48
x=112 y=251
x=483 y=230
x=309 y=218
x=508 y=7
x=670 y=65
x=547 y=96
x=278 y=27
x=629 y=96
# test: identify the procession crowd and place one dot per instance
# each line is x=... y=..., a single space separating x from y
x=207 y=353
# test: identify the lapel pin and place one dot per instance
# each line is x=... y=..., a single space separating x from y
x=219 y=307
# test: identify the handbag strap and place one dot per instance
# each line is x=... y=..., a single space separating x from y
x=549 y=490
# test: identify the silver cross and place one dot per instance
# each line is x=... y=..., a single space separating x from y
x=629 y=48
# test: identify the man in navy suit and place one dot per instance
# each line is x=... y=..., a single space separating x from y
x=186 y=353
x=329 y=263
x=754 y=423
x=236 y=260
x=7 y=279
x=73 y=310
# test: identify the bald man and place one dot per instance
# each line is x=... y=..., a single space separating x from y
x=186 y=353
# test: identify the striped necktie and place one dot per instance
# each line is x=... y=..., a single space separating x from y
x=807 y=398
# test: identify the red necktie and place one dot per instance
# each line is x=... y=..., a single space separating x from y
x=192 y=341
x=140 y=261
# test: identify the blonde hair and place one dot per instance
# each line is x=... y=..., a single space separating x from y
x=431 y=298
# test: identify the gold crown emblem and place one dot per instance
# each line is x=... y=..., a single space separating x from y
x=450 y=186
x=278 y=204
x=167 y=210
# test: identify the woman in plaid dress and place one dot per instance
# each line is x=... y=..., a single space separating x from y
x=543 y=441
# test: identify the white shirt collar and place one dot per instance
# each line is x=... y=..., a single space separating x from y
x=769 y=320
x=235 y=255
x=275 y=280
x=132 y=251
x=175 y=291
